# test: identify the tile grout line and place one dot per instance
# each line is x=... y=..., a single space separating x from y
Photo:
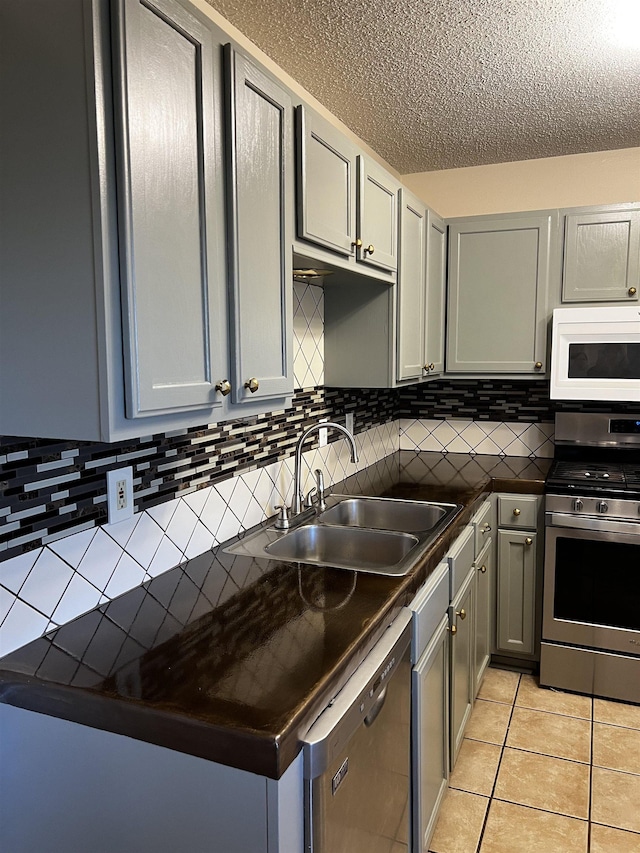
x=495 y=780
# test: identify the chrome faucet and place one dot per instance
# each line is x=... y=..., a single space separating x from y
x=298 y=498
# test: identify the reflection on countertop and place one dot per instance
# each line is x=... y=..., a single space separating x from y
x=231 y=658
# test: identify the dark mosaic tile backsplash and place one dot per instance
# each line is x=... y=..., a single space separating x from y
x=50 y=488
x=524 y=400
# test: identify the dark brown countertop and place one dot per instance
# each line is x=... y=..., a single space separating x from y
x=231 y=658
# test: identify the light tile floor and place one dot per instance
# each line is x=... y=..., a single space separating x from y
x=541 y=771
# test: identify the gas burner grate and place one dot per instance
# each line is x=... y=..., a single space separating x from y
x=589 y=472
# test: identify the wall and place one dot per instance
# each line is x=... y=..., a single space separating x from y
x=602 y=177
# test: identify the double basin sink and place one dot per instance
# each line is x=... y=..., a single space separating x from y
x=379 y=535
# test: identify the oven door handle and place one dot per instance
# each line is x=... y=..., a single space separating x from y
x=605 y=525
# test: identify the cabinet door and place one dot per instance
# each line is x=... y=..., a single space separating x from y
x=377 y=215
x=411 y=287
x=601 y=256
x=516 y=592
x=260 y=239
x=430 y=764
x=436 y=282
x=168 y=230
x=461 y=619
x=498 y=285
x=326 y=184
x=484 y=585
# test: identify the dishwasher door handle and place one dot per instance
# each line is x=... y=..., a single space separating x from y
x=370 y=719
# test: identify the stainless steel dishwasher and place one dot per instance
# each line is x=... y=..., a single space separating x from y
x=357 y=755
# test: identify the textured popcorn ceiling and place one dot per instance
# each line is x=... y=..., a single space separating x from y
x=439 y=85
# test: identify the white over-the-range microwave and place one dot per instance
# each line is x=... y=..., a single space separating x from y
x=595 y=354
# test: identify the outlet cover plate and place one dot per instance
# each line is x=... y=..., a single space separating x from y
x=120 y=494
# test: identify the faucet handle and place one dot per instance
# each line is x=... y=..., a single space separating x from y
x=322 y=504
x=308 y=501
x=282 y=521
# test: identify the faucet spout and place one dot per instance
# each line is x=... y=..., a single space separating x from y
x=297 y=501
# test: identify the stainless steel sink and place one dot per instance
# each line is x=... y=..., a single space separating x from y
x=344 y=547
x=378 y=535
x=386 y=514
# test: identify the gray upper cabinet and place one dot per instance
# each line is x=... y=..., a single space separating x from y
x=602 y=255
x=436 y=284
x=259 y=116
x=411 y=287
x=117 y=321
x=377 y=213
x=347 y=205
x=167 y=182
x=499 y=278
x=327 y=184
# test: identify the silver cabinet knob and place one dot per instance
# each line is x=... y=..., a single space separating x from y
x=252 y=385
x=482 y=569
x=528 y=541
x=486 y=528
x=516 y=512
x=224 y=387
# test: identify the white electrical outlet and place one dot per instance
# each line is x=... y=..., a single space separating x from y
x=120 y=494
x=348 y=419
x=323 y=435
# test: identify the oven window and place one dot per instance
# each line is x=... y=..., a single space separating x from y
x=604 y=361
x=598 y=582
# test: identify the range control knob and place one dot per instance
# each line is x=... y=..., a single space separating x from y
x=577 y=505
x=603 y=506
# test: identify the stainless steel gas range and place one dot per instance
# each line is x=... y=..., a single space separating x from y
x=591 y=601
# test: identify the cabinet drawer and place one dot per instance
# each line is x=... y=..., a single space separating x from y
x=460 y=559
x=429 y=606
x=482 y=525
x=518 y=511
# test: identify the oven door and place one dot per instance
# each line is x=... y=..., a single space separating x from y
x=592 y=583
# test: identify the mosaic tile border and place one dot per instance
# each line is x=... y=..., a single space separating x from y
x=499 y=400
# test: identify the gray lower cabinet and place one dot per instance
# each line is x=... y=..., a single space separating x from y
x=500 y=269
x=484 y=597
x=462 y=628
x=430 y=694
x=518 y=576
x=129 y=795
x=429 y=704
x=260 y=198
x=602 y=254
